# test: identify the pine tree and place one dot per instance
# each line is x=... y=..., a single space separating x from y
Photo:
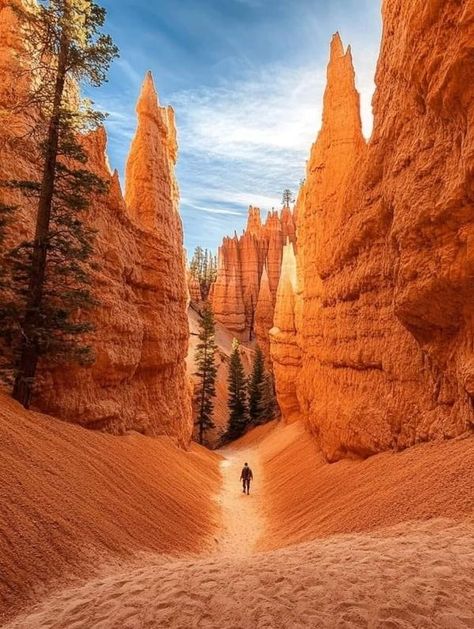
x=267 y=407
x=287 y=197
x=206 y=372
x=255 y=386
x=203 y=267
x=49 y=276
x=238 y=416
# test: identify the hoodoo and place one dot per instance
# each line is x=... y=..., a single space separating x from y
x=264 y=316
x=386 y=310
x=285 y=353
x=259 y=246
x=138 y=379
x=227 y=296
x=360 y=296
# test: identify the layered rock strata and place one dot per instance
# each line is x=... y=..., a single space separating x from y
x=138 y=381
x=385 y=233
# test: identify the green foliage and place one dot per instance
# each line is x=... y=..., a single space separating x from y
x=261 y=396
x=254 y=385
x=238 y=413
x=203 y=267
x=287 y=198
x=206 y=373
x=46 y=286
x=267 y=406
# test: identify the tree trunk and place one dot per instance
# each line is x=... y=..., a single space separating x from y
x=201 y=419
x=29 y=354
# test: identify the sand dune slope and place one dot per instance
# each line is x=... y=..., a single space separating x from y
x=307 y=498
x=387 y=542
x=72 y=499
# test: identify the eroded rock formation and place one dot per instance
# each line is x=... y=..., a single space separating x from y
x=227 y=296
x=285 y=352
x=385 y=233
x=241 y=264
x=138 y=380
x=264 y=317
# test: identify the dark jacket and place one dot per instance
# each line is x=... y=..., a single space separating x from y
x=246 y=474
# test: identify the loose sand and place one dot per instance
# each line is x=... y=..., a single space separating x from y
x=420 y=576
x=387 y=542
x=72 y=500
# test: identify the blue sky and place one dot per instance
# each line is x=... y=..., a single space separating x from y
x=246 y=79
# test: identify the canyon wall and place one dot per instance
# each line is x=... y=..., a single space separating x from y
x=239 y=302
x=138 y=381
x=385 y=293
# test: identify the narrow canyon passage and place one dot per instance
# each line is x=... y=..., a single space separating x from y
x=402 y=576
x=242 y=522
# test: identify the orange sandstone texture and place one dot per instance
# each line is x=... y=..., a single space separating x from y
x=385 y=235
x=264 y=317
x=241 y=264
x=227 y=297
x=140 y=339
x=285 y=352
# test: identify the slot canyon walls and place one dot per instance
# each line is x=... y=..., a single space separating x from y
x=384 y=300
x=138 y=381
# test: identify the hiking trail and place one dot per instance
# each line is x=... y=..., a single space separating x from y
x=242 y=522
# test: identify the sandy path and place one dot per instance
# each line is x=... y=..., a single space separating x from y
x=242 y=523
x=414 y=575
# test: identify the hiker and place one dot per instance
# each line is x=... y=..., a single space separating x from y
x=246 y=476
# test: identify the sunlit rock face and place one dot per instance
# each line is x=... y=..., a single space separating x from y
x=385 y=233
x=138 y=380
x=194 y=290
x=264 y=317
x=242 y=261
x=227 y=296
x=285 y=352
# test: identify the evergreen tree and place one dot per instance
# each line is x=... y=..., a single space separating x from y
x=206 y=372
x=255 y=386
x=238 y=417
x=49 y=275
x=267 y=406
x=287 y=197
x=203 y=267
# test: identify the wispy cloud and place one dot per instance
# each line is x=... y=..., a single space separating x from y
x=246 y=83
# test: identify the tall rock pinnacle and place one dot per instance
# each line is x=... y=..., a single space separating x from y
x=285 y=352
x=151 y=190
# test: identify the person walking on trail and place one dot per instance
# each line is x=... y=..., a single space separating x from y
x=246 y=476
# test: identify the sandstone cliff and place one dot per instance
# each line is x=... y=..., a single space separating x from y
x=241 y=264
x=227 y=295
x=264 y=317
x=385 y=232
x=138 y=380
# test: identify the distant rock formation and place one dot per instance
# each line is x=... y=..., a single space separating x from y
x=385 y=304
x=264 y=317
x=285 y=352
x=242 y=260
x=138 y=381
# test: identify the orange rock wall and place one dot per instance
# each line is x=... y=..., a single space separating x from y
x=237 y=291
x=138 y=380
x=385 y=242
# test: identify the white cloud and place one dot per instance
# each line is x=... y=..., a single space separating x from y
x=210 y=210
